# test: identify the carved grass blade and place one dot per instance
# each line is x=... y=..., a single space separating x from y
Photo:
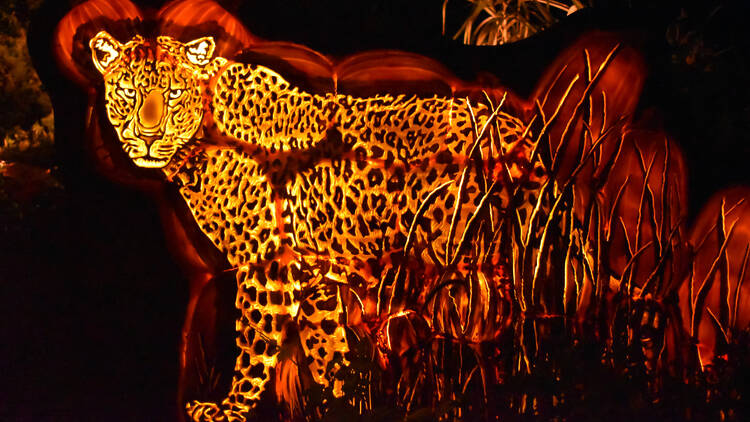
x=456 y=212
x=462 y=183
x=601 y=175
x=659 y=266
x=718 y=325
x=642 y=199
x=631 y=249
x=567 y=267
x=554 y=82
x=739 y=285
x=699 y=245
x=469 y=224
x=429 y=199
x=586 y=93
x=543 y=241
x=535 y=212
x=723 y=276
x=665 y=216
x=552 y=118
x=629 y=267
x=615 y=204
x=706 y=286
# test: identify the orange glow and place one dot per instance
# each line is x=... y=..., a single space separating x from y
x=156 y=88
x=714 y=298
x=382 y=195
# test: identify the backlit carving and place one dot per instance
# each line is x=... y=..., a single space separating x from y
x=379 y=197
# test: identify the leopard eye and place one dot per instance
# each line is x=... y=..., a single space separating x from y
x=175 y=94
x=128 y=92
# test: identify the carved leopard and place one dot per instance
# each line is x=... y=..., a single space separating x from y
x=305 y=193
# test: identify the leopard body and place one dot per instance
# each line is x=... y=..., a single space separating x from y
x=305 y=193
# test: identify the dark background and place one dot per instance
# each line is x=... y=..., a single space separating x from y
x=91 y=302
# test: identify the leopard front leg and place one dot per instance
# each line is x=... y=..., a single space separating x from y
x=266 y=296
x=321 y=328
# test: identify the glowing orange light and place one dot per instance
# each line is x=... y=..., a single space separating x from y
x=405 y=148
x=446 y=209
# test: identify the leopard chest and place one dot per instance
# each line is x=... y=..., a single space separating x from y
x=236 y=207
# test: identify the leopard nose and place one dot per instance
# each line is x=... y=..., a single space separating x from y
x=149 y=139
x=152 y=110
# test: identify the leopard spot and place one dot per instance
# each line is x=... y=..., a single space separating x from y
x=275 y=297
x=268 y=324
x=444 y=157
x=351 y=206
x=307 y=308
x=257 y=371
x=327 y=305
x=259 y=347
x=328 y=326
x=450 y=200
x=374 y=177
x=437 y=214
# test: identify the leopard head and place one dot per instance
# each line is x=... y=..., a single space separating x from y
x=154 y=92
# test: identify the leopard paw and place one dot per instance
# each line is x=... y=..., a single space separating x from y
x=211 y=412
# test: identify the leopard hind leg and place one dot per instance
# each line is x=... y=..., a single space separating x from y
x=322 y=321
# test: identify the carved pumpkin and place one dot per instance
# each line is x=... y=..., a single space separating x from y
x=376 y=193
x=713 y=298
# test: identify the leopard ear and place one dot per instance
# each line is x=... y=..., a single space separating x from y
x=200 y=52
x=70 y=43
x=189 y=19
x=105 y=51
